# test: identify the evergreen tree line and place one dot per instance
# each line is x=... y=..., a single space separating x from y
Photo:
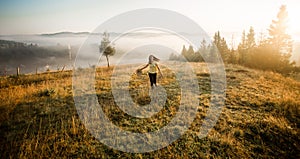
x=267 y=53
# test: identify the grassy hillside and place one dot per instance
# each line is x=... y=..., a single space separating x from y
x=260 y=119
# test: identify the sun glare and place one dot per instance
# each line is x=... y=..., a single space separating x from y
x=293 y=23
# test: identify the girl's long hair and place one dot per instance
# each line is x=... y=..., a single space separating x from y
x=152 y=59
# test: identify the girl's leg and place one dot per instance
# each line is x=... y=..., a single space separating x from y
x=151 y=79
x=154 y=78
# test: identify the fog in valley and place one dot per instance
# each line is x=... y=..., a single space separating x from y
x=39 y=53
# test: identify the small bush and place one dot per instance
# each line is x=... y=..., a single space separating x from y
x=46 y=92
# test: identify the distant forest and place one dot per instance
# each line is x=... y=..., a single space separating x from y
x=267 y=53
x=29 y=57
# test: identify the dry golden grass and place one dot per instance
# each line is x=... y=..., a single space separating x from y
x=260 y=118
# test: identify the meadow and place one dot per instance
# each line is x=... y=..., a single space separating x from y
x=260 y=118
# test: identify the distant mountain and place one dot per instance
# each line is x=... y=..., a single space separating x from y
x=65 y=33
x=68 y=33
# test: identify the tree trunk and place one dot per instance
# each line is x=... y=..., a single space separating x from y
x=107 y=61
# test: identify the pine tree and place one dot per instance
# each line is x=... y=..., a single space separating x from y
x=203 y=51
x=247 y=48
x=184 y=51
x=250 y=42
x=213 y=53
x=250 y=48
x=280 y=40
x=221 y=46
x=190 y=53
x=242 y=49
x=224 y=50
x=277 y=32
x=244 y=40
x=173 y=57
x=203 y=47
x=232 y=56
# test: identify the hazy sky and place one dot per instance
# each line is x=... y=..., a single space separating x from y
x=228 y=16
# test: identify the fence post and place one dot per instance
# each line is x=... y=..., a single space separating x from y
x=18 y=71
x=62 y=70
x=5 y=72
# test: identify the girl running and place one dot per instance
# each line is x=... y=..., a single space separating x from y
x=152 y=72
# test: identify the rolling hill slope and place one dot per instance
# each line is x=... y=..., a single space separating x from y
x=260 y=119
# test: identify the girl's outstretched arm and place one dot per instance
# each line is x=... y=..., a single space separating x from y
x=144 y=67
x=159 y=70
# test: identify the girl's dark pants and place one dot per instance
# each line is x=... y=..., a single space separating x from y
x=152 y=77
